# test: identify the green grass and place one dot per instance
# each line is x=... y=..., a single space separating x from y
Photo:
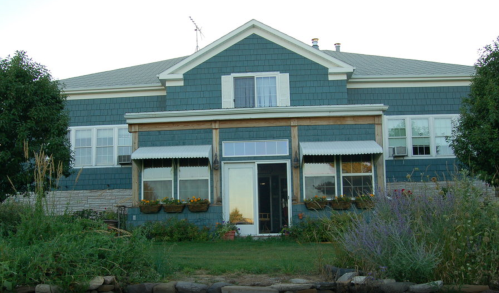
x=273 y=256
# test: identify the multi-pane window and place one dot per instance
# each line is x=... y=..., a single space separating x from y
x=83 y=147
x=319 y=176
x=255 y=148
x=100 y=145
x=357 y=175
x=193 y=179
x=425 y=135
x=157 y=179
x=443 y=130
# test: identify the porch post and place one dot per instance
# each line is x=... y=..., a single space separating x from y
x=135 y=166
x=295 y=171
x=380 y=162
x=216 y=173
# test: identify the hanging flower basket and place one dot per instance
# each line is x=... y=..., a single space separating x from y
x=315 y=205
x=341 y=205
x=150 y=209
x=196 y=208
x=364 y=205
x=173 y=208
x=229 y=235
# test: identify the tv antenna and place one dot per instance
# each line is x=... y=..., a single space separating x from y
x=198 y=32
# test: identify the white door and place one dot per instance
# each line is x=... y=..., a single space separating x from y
x=239 y=198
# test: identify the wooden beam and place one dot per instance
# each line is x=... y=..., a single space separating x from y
x=295 y=171
x=135 y=171
x=264 y=122
x=380 y=162
x=217 y=198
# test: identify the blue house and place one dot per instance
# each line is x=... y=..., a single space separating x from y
x=257 y=122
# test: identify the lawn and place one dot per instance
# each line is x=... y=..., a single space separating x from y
x=274 y=256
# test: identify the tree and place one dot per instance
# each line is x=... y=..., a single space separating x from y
x=476 y=137
x=32 y=116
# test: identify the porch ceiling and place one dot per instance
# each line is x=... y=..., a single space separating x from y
x=173 y=152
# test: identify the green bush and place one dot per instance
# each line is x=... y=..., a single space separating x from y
x=175 y=230
x=323 y=229
x=11 y=214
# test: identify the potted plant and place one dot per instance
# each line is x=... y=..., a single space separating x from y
x=196 y=204
x=316 y=202
x=341 y=202
x=226 y=230
x=149 y=206
x=171 y=205
x=364 y=201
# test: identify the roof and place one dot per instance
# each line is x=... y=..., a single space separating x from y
x=340 y=148
x=173 y=152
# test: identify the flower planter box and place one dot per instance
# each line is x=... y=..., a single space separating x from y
x=341 y=205
x=196 y=208
x=364 y=205
x=315 y=205
x=173 y=208
x=150 y=209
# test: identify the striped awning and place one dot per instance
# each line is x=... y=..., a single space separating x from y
x=173 y=152
x=333 y=148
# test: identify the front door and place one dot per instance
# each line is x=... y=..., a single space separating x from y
x=256 y=197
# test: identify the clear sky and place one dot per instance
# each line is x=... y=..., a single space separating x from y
x=74 y=37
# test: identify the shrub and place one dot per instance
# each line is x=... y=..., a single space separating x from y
x=174 y=229
x=322 y=229
x=451 y=236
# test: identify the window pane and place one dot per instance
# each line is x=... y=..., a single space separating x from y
x=104 y=151
x=157 y=189
x=420 y=127
x=157 y=173
x=357 y=185
x=317 y=169
x=320 y=186
x=83 y=156
x=266 y=91
x=356 y=164
x=83 y=147
x=443 y=148
x=250 y=148
x=244 y=92
x=124 y=142
x=83 y=138
x=193 y=172
x=395 y=142
x=193 y=187
x=443 y=127
x=239 y=149
x=396 y=128
x=282 y=147
x=260 y=148
x=271 y=147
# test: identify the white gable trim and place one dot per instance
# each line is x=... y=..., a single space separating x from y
x=258 y=28
x=358 y=82
x=115 y=92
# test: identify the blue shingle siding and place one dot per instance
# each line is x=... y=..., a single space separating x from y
x=336 y=132
x=309 y=84
x=202 y=219
x=98 y=179
x=412 y=101
x=419 y=169
x=175 y=138
x=90 y=112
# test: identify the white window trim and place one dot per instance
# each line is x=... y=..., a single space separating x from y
x=282 y=87
x=408 y=133
x=94 y=143
x=357 y=174
x=244 y=141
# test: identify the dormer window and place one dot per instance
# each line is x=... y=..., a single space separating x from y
x=255 y=90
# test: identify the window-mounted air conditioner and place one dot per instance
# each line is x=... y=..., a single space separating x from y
x=399 y=151
x=124 y=159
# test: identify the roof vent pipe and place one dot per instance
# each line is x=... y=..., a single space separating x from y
x=337 y=45
x=315 y=43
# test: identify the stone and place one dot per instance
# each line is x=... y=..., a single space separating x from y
x=465 y=288
x=217 y=287
x=165 y=288
x=291 y=287
x=24 y=289
x=246 y=289
x=396 y=287
x=45 y=288
x=189 y=287
x=306 y=291
x=426 y=287
x=337 y=272
x=346 y=278
x=105 y=288
x=299 y=281
x=141 y=288
x=108 y=280
x=95 y=283
x=325 y=285
x=359 y=280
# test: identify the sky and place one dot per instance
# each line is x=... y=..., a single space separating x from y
x=74 y=37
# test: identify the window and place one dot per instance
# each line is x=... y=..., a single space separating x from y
x=319 y=176
x=357 y=175
x=256 y=148
x=193 y=179
x=100 y=145
x=250 y=90
x=157 y=179
x=427 y=136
